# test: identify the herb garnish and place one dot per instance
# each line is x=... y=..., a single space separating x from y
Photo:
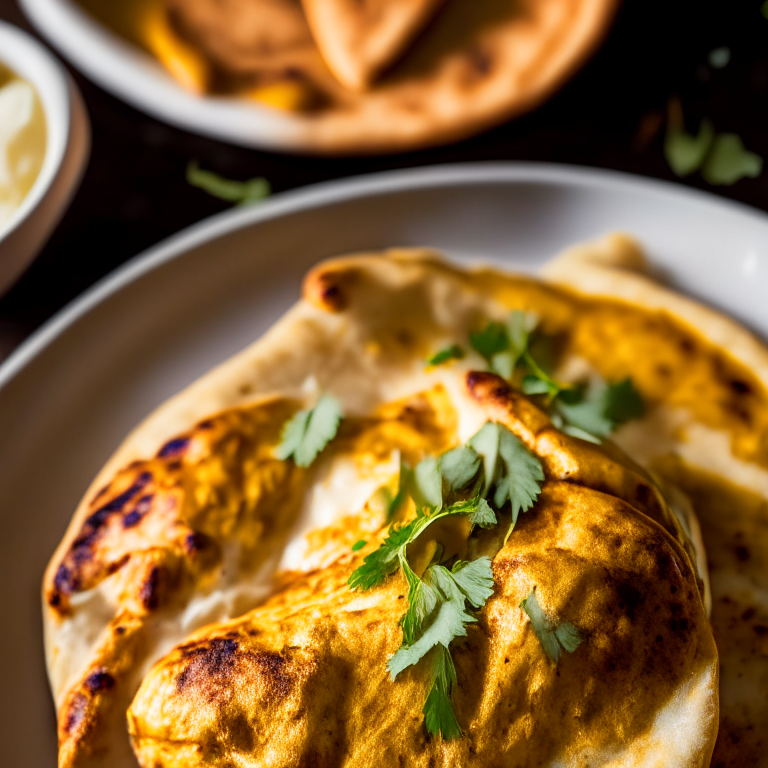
x=238 y=192
x=358 y=545
x=721 y=158
x=494 y=465
x=554 y=638
x=306 y=434
x=588 y=413
x=454 y=352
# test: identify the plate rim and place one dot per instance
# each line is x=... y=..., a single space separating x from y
x=337 y=191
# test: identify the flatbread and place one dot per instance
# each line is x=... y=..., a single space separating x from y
x=360 y=40
x=475 y=65
x=114 y=605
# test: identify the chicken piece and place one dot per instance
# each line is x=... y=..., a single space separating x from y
x=302 y=680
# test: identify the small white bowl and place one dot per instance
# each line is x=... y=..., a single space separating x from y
x=67 y=149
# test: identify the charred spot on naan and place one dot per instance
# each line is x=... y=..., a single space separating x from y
x=224 y=463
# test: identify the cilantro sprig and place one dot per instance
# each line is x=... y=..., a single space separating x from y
x=497 y=472
x=589 y=413
x=306 y=434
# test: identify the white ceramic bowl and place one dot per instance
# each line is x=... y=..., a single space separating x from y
x=139 y=79
x=68 y=144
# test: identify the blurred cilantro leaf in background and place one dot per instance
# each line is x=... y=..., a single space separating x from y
x=238 y=192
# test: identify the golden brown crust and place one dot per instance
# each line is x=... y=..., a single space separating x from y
x=475 y=65
x=367 y=349
x=303 y=679
x=360 y=40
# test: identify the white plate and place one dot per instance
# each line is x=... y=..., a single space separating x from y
x=70 y=393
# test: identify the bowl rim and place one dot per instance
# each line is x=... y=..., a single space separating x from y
x=136 y=77
x=29 y=59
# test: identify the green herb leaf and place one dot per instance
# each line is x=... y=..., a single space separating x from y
x=454 y=352
x=728 y=161
x=428 y=483
x=504 y=344
x=459 y=467
x=764 y=9
x=404 y=483
x=490 y=341
x=239 y=192
x=533 y=385
x=685 y=153
x=600 y=411
x=520 y=325
x=483 y=516
x=422 y=601
x=308 y=432
x=520 y=483
x=439 y=717
x=383 y=561
x=623 y=402
x=475 y=579
x=447 y=622
x=486 y=444
x=554 y=639
x=358 y=545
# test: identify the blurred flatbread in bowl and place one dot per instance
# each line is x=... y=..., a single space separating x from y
x=359 y=40
x=415 y=76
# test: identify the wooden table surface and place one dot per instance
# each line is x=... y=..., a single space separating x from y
x=609 y=116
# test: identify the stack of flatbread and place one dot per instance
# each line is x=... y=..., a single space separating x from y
x=380 y=75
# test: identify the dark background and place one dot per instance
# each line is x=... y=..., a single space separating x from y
x=611 y=115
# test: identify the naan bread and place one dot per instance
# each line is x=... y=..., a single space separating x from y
x=475 y=65
x=180 y=529
x=359 y=40
x=302 y=680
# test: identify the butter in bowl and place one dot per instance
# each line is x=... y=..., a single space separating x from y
x=44 y=146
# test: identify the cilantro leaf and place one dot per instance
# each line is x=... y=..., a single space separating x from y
x=623 y=402
x=597 y=413
x=504 y=344
x=520 y=483
x=729 y=161
x=358 y=545
x=475 y=579
x=533 y=385
x=428 y=483
x=308 y=432
x=459 y=467
x=490 y=341
x=383 y=561
x=404 y=482
x=454 y=352
x=483 y=516
x=486 y=444
x=447 y=622
x=520 y=325
x=239 y=192
x=554 y=639
x=422 y=601
x=439 y=717
x=685 y=153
